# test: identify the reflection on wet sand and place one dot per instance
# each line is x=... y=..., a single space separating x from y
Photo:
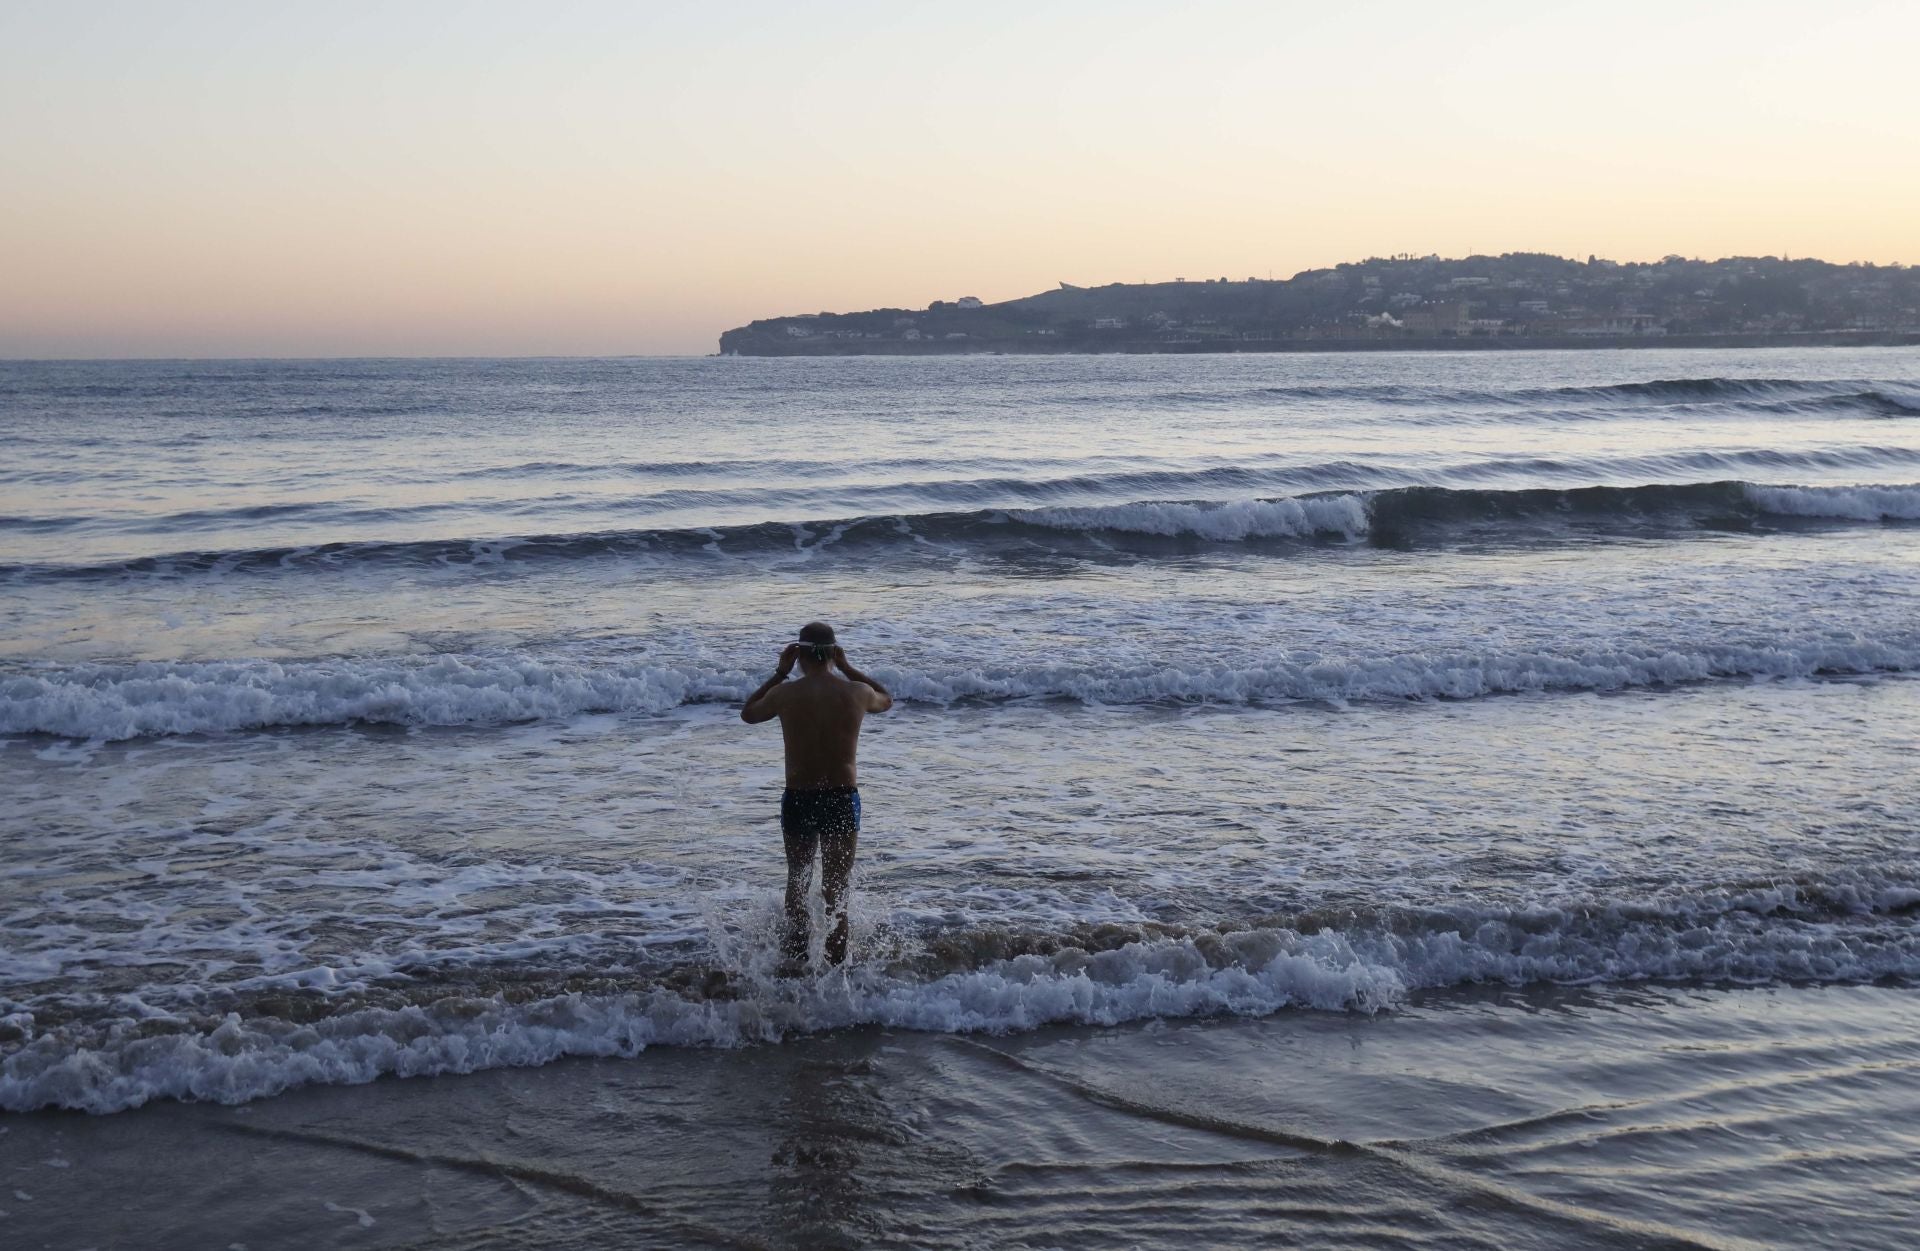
x=1612 y=1118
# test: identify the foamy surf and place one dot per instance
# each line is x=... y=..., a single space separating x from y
x=1344 y=516
x=1865 y=503
x=1851 y=930
x=115 y=702
x=1427 y=513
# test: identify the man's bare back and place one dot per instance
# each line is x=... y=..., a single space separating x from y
x=820 y=718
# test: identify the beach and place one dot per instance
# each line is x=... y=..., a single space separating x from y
x=1640 y=1117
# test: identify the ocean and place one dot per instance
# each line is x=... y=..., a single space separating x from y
x=1375 y=800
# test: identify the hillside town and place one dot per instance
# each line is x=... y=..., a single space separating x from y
x=1519 y=299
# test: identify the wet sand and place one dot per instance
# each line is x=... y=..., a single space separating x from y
x=1623 y=1117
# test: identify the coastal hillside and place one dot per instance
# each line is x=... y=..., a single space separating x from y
x=1519 y=299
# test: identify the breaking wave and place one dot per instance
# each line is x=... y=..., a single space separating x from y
x=1852 y=929
x=1344 y=516
x=1694 y=389
x=1866 y=503
x=1557 y=403
x=1395 y=513
x=154 y=698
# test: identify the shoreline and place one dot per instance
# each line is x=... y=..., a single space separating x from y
x=1652 y=1114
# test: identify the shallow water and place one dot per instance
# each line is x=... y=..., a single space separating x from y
x=1606 y=1117
x=372 y=718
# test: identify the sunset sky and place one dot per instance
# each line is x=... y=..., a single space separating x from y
x=253 y=179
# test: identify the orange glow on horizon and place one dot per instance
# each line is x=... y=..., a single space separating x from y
x=452 y=180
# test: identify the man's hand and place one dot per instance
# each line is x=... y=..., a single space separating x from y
x=758 y=707
x=840 y=659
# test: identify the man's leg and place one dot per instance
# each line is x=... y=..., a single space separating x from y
x=836 y=872
x=800 y=841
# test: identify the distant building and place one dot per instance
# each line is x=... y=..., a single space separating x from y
x=1436 y=319
x=1109 y=323
x=967 y=301
x=1620 y=324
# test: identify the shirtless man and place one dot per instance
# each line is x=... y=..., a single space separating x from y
x=820 y=718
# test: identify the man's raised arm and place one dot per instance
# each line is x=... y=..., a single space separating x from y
x=881 y=701
x=760 y=705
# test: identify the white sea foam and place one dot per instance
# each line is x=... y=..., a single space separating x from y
x=1227 y=522
x=1755 y=937
x=1423 y=675
x=1861 y=503
x=113 y=702
x=150 y=698
x=1350 y=515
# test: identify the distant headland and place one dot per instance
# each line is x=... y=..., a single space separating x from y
x=1515 y=300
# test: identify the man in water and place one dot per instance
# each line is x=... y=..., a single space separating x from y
x=820 y=718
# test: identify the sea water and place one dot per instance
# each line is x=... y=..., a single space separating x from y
x=371 y=718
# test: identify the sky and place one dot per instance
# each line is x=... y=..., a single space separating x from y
x=340 y=179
